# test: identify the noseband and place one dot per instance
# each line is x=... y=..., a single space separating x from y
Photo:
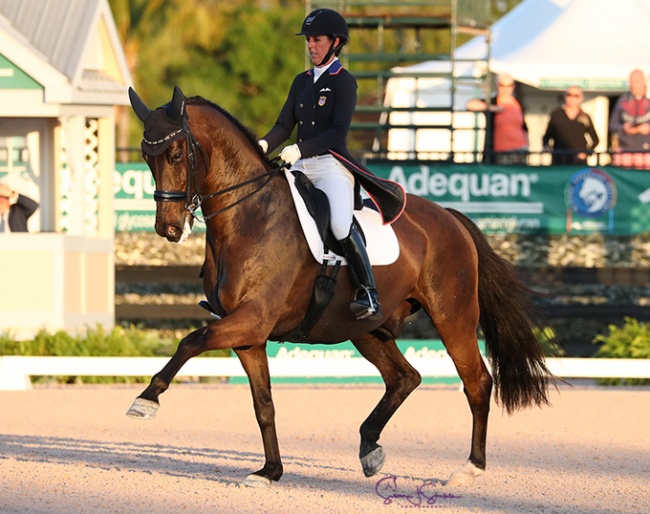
x=192 y=198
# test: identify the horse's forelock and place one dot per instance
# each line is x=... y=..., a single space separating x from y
x=248 y=133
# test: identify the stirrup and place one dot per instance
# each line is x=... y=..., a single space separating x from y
x=366 y=305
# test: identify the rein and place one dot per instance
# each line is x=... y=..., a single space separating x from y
x=192 y=198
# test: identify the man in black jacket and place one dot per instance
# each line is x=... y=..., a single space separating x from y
x=15 y=210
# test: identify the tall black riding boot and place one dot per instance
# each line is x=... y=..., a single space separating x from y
x=366 y=301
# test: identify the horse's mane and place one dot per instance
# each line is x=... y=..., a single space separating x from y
x=199 y=100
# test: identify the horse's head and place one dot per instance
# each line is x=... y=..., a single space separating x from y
x=168 y=148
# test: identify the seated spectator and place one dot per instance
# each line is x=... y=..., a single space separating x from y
x=570 y=133
x=629 y=126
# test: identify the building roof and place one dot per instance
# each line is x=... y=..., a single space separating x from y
x=70 y=47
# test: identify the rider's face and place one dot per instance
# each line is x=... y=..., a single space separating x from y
x=318 y=46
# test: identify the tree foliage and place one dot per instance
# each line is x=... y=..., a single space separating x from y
x=240 y=54
x=236 y=54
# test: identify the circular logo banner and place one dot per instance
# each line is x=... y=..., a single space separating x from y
x=591 y=192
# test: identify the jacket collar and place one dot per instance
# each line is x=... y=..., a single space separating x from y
x=334 y=69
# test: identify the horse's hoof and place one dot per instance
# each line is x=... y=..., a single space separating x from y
x=253 y=480
x=143 y=409
x=464 y=476
x=373 y=462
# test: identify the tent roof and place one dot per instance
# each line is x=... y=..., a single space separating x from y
x=592 y=43
x=550 y=44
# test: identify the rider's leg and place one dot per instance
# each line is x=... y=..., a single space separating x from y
x=336 y=181
x=366 y=301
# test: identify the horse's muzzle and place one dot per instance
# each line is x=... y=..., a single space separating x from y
x=173 y=232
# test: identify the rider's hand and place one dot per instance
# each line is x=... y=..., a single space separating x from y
x=264 y=145
x=290 y=154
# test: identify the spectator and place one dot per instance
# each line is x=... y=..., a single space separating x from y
x=629 y=125
x=15 y=210
x=506 y=134
x=571 y=131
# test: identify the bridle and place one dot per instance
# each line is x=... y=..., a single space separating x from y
x=191 y=196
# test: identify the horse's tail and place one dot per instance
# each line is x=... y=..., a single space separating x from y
x=509 y=322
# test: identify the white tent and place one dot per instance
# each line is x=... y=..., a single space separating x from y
x=546 y=45
x=550 y=44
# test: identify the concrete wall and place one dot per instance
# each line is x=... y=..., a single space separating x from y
x=55 y=282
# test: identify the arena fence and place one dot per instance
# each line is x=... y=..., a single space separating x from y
x=15 y=371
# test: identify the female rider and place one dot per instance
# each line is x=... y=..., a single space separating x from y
x=321 y=102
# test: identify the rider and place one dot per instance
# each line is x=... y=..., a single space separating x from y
x=321 y=102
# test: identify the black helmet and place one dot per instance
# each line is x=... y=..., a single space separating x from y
x=325 y=22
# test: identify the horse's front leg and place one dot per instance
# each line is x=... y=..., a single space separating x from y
x=232 y=331
x=146 y=405
x=256 y=364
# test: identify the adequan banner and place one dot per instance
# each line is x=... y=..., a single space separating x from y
x=133 y=205
x=552 y=200
x=301 y=353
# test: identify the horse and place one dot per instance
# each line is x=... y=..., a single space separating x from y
x=258 y=274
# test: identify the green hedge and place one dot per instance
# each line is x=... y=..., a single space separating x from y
x=130 y=341
x=631 y=341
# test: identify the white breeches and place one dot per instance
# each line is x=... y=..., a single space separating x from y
x=331 y=177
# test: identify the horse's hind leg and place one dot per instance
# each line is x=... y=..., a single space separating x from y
x=400 y=379
x=462 y=346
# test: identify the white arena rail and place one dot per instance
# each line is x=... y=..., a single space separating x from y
x=15 y=371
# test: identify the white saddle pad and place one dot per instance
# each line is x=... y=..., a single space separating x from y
x=381 y=242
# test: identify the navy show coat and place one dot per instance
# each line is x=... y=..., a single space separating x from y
x=322 y=111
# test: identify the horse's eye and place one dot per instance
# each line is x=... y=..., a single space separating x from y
x=176 y=157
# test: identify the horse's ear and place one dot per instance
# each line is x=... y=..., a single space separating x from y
x=141 y=110
x=176 y=110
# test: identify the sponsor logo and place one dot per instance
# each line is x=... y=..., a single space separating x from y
x=591 y=192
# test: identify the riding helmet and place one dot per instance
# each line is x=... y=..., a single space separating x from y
x=325 y=22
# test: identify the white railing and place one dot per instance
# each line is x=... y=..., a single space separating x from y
x=15 y=371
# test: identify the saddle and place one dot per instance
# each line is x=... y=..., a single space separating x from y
x=313 y=210
x=319 y=209
x=313 y=207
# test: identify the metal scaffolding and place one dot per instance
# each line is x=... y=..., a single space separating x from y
x=389 y=33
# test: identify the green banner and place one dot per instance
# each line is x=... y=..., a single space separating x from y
x=552 y=200
x=133 y=204
x=302 y=352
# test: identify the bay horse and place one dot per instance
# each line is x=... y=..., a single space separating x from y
x=259 y=272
